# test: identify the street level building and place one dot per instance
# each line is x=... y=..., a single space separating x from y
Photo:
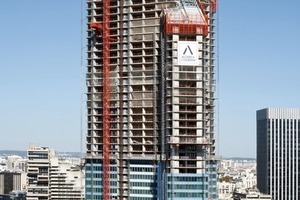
x=150 y=100
x=278 y=132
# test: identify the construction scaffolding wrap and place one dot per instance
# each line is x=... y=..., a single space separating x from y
x=190 y=19
x=176 y=23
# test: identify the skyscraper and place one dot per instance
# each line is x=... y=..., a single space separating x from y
x=150 y=100
x=278 y=152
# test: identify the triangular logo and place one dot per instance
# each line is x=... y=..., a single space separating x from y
x=188 y=53
x=188 y=48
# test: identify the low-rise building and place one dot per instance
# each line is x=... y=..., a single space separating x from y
x=250 y=195
x=225 y=190
x=17 y=195
x=16 y=163
x=38 y=172
x=51 y=177
x=236 y=175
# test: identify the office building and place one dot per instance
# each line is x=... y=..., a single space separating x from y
x=278 y=152
x=38 y=172
x=150 y=100
x=66 y=180
x=9 y=181
x=51 y=177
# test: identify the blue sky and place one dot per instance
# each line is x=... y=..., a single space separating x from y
x=40 y=74
x=259 y=67
x=40 y=48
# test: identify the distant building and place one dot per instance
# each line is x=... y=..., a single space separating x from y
x=250 y=195
x=225 y=190
x=16 y=163
x=4 y=197
x=66 y=180
x=278 y=132
x=9 y=181
x=38 y=172
x=238 y=196
x=17 y=195
x=50 y=177
x=3 y=166
x=237 y=174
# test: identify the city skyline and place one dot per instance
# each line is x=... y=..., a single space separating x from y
x=41 y=87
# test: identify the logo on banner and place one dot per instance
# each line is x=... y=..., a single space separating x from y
x=188 y=48
x=187 y=53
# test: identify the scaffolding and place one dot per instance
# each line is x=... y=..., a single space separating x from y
x=181 y=20
x=175 y=24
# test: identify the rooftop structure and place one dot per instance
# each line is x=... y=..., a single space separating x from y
x=150 y=100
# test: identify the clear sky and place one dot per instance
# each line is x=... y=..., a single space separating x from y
x=40 y=48
x=259 y=67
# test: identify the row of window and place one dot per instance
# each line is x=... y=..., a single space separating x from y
x=142 y=198
x=187 y=195
x=98 y=168
x=187 y=179
x=143 y=184
x=98 y=175
x=99 y=190
x=187 y=187
x=139 y=191
x=99 y=183
x=142 y=169
x=143 y=177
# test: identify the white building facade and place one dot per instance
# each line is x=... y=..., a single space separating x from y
x=50 y=177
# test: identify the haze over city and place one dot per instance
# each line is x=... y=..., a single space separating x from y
x=40 y=77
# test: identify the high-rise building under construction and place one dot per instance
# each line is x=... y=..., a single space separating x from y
x=150 y=100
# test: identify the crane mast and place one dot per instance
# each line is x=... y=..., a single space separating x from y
x=106 y=99
x=103 y=29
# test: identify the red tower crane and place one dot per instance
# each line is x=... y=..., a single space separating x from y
x=214 y=5
x=104 y=29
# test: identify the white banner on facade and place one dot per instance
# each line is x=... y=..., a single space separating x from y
x=188 y=53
